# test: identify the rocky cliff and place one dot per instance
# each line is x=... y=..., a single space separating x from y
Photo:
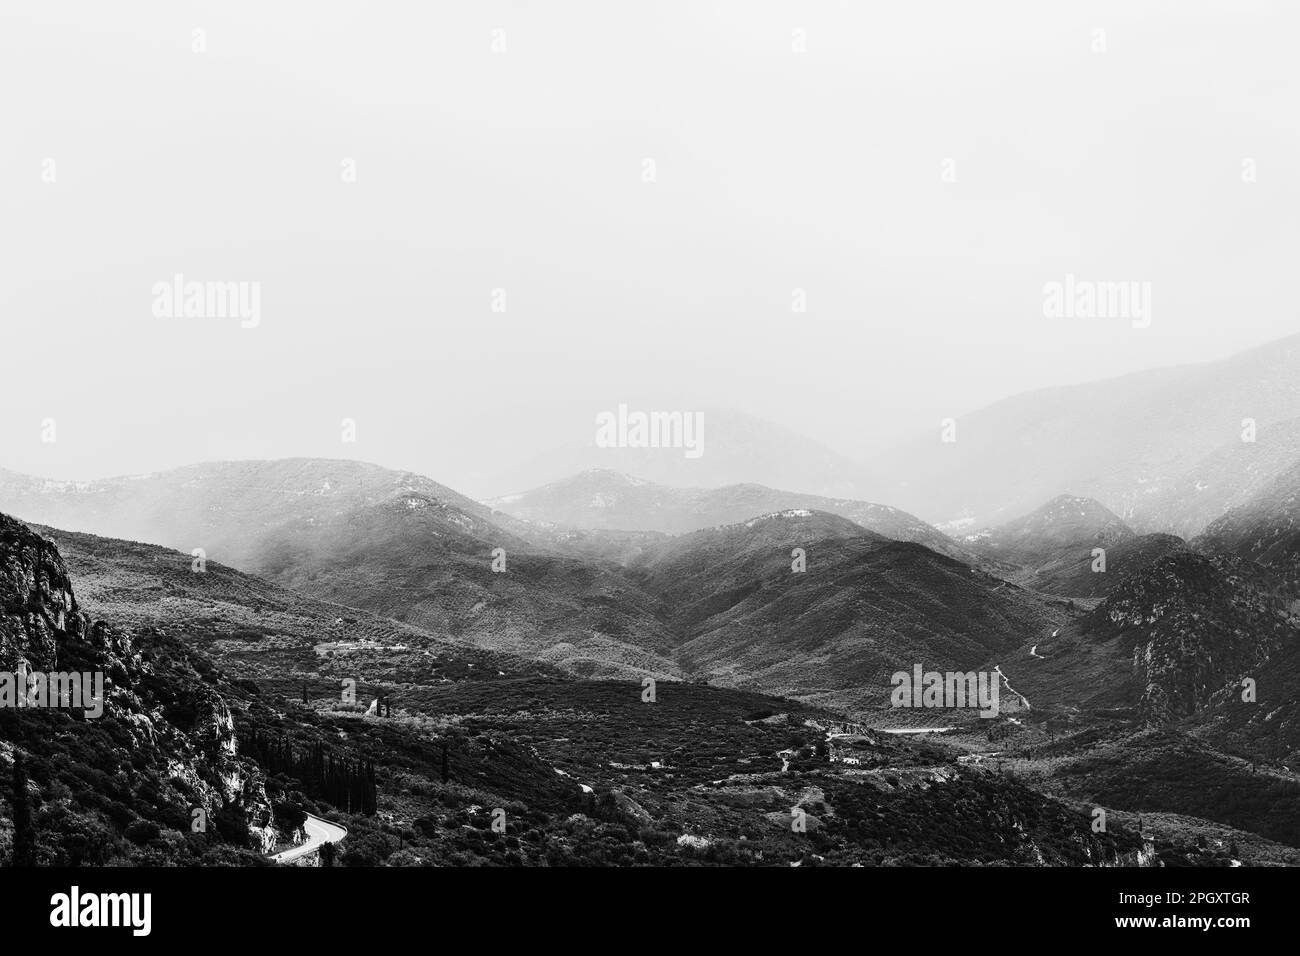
x=166 y=730
x=1193 y=624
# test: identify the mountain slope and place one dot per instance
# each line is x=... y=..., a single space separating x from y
x=1265 y=529
x=1063 y=524
x=405 y=560
x=1140 y=704
x=1229 y=477
x=278 y=638
x=393 y=543
x=1166 y=640
x=1119 y=440
x=1194 y=624
x=230 y=508
x=865 y=608
x=1070 y=573
x=1058 y=548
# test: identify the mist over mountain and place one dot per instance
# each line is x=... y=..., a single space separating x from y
x=736 y=448
x=1066 y=522
x=390 y=542
x=1124 y=441
x=409 y=549
x=1070 y=546
x=412 y=550
x=226 y=508
x=603 y=499
x=1265 y=529
x=1163 y=449
x=1229 y=477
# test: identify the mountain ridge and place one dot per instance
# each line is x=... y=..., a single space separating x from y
x=1118 y=440
x=603 y=499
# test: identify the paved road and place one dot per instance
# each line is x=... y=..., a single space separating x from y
x=318 y=832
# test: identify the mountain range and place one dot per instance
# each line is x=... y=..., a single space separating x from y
x=1140 y=616
x=736 y=448
x=1168 y=450
x=606 y=500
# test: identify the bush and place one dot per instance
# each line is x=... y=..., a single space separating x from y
x=142 y=831
x=360 y=856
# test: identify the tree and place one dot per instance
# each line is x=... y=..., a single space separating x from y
x=24 y=852
x=444 y=761
x=327 y=854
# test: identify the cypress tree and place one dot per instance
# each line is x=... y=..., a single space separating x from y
x=24 y=852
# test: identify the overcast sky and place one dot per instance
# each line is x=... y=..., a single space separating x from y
x=920 y=172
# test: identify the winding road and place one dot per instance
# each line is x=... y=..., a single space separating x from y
x=319 y=832
x=1006 y=683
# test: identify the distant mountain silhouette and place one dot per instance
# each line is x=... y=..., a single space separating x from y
x=1265 y=529
x=738 y=448
x=603 y=499
x=1124 y=441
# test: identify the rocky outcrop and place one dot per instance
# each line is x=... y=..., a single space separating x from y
x=38 y=612
x=177 y=721
x=1194 y=624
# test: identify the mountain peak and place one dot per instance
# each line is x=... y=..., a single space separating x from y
x=806 y=522
x=822 y=523
x=1066 y=505
x=1066 y=522
x=605 y=500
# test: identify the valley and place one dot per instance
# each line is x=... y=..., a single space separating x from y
x=520 y=689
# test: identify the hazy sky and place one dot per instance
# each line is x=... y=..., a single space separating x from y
x=524 y=171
